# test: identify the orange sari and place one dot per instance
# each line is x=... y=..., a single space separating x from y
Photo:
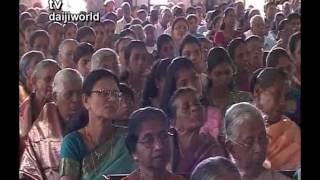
x=284 y=148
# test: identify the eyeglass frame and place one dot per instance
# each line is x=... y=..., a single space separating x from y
x=107 y=93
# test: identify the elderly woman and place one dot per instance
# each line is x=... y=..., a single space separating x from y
x=40 y=159
x=65 y=53
x=42 y=78
x=246 y=142
x=215 y=168
x=148 y=142
x=26 y=66
x=99 y=147
x=187 y=117
x=105 y=58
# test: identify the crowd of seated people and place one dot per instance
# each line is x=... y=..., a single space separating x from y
x=204 y=92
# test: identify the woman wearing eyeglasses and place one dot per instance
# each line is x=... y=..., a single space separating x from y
x=246 y=142
x=148 y=143
x=99 y=147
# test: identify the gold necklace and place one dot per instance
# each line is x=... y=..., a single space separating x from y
x=93 y=144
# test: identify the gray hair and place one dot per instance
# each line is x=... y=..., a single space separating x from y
x=255 y=18
x=26 y=60
x=237 y=114
x=101 y=55
x=66 y=41
x=65 y=75
x=43 y=65
x=214 y=167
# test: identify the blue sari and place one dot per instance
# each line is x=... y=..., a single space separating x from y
x=111 y=157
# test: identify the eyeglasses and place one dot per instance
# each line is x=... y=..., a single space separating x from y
x=107 y=93
x=149 y=140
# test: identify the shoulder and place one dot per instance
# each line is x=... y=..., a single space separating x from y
x=288 y=123
x=72 y=146
x=47 y=125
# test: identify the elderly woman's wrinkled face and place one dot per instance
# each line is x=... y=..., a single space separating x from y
x=69 y=98
x=189 y=112
x=84 y=65
x=43 y=84
x=248 y=143
x=152 y=150
x=66 y=55
x=70 y=32
x=104 y=99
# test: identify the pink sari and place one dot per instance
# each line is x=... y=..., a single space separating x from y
x=213 y=124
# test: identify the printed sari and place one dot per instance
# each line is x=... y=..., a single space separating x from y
x=111 y=157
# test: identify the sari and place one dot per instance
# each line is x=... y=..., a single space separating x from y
x=135 y=175
x=204 y=148
x=40 y=157
x=214 y=123
x=110 y=157
x=284 y=148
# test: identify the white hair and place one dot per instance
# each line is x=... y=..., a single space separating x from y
x=67 y=41
x=238 y=114
x=65 y=75
x=101 y=55
x=214 y=167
